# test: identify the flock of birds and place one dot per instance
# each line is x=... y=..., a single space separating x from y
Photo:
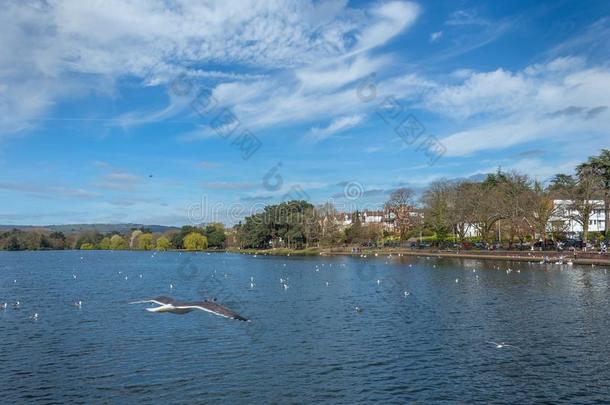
x=167 y=304
x=35 y=316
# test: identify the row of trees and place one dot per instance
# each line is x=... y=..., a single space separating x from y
x=299 y=224
x=505 y=207
x=518 y=206
x=188 y=238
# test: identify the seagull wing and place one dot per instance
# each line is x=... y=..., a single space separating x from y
x=212 y=307
x=157 y=300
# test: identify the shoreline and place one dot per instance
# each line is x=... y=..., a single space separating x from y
x=581 y=258
x=502 y=256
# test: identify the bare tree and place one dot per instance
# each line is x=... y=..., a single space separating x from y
x=400 y=205
x=329 y=229
x=438 y=201
x=481 y=205
x=543 y=210
x=580 y=195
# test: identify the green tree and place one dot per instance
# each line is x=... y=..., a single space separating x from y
x=57 y=240
x=195 y=241
x=145 y=241
x=92 y=237
x=163 y=243
x=117 y=243
x=216 y=235
x=87 y=246
x=105 y=243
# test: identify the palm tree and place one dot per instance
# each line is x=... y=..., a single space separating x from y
x=600 y=167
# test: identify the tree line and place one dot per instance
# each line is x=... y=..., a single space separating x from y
x=507 y=207
x=187 y=238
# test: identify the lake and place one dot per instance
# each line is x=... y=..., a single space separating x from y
x=423 y=332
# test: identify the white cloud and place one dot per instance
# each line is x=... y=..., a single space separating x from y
x=54 y=49
x=119 y=180
x=391 y=19
x=337 y=125
x=47 y=190
x=435 y=36
x=466 y=17
x=556 y=100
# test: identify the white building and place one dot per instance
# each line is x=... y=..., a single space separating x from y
x=597 y=221
x=373 y=217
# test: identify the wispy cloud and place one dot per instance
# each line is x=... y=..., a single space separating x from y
x=466 y=17
x=72 y=47
x=208 y=165
x=337 y=125
x=436 y=36
x=225 y=185
x=48 y=190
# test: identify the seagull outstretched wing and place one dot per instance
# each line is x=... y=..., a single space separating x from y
x=211 y=307
x=162 y=300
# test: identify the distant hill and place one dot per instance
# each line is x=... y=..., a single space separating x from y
x=102 y=228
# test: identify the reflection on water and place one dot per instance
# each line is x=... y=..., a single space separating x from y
x=422 y=330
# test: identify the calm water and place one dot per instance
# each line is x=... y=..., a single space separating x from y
x=307 y=343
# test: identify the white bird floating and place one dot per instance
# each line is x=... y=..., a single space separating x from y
x=457 y=280
x=406 y=293
x=16 y=305
x=74 y=276
x=501 y=345
x=378 y=282
x=286 y=286
x=327 y=283
x=3 y=306
x=34 y=317
x=78 y=304
x=140 y=275
x=171 y=286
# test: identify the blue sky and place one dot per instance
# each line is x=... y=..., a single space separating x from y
x=97 y=122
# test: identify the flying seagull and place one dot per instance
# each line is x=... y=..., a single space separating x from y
x=168 y=304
